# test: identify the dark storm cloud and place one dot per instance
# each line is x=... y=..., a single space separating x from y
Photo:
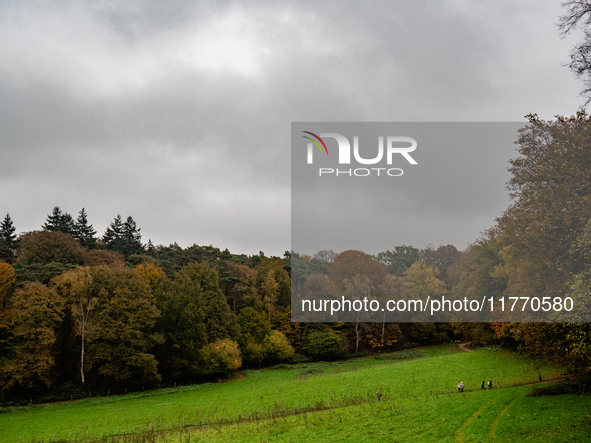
x=179 y=112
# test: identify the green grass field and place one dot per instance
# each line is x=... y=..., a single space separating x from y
x=329 y=402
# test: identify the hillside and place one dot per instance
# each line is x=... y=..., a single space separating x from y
x=330 y=402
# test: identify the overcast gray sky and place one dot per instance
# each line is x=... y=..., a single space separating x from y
x=178 y=113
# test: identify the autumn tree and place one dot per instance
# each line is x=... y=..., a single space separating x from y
x=276 y=347
x=104 y=257
x=254 y=327
x=7 y=280
x=421 y=281
x=36 y=311
x=50 y=246
x=350 y=263
x=157 y=279
x=76 y=287
x=220 y=357
x=550 y=190
x=269 y=291
x=274 y=267
x=122 y=336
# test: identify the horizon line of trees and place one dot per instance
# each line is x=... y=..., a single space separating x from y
x=120 y=236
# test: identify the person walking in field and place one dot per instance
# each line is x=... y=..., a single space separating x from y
x=378 y=396
x=482 y=388
x=460 y=387
x=489 y=384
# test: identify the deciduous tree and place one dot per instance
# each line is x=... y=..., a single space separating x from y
x=36 y=311
x=50 y=246
x=351 y=263
x=121 y=340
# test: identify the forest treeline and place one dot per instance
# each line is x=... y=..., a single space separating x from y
x=80 y=311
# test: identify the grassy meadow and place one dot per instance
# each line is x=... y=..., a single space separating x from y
x=330 y=402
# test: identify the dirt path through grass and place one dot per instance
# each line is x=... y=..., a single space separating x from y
x=495 y=423
x=459 y=435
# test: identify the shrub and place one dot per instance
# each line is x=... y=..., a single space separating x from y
x=276 y=347
x=220 y=357
x=253 y=352
x=579 y=385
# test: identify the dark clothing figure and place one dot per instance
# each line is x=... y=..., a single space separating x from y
x=490 y=384
x=378 y=396
x=482 y=386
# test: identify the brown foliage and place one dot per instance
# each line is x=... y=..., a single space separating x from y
x=7 y=279
x=98 y=257
x=36 y=311
x=351 y=263
x=50 y=246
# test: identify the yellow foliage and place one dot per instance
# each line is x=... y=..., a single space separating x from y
x=7 y=279
x=152 y=273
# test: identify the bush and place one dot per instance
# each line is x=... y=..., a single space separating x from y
x=276 y=347
x=298 y=358
x=579 y=385
x=324 y=345
x=283 y=366
x=253 y=352
x=220 y=357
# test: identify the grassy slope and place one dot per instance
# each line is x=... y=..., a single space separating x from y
x=420 y=405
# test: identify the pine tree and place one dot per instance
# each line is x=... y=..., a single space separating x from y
x=8 y=242
x=132 y=237
x=8 y=232
x=67 y=224
x=60 y=221
x=124 y=237
x=53 y=220
x=85 y=232
x=114 y=233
